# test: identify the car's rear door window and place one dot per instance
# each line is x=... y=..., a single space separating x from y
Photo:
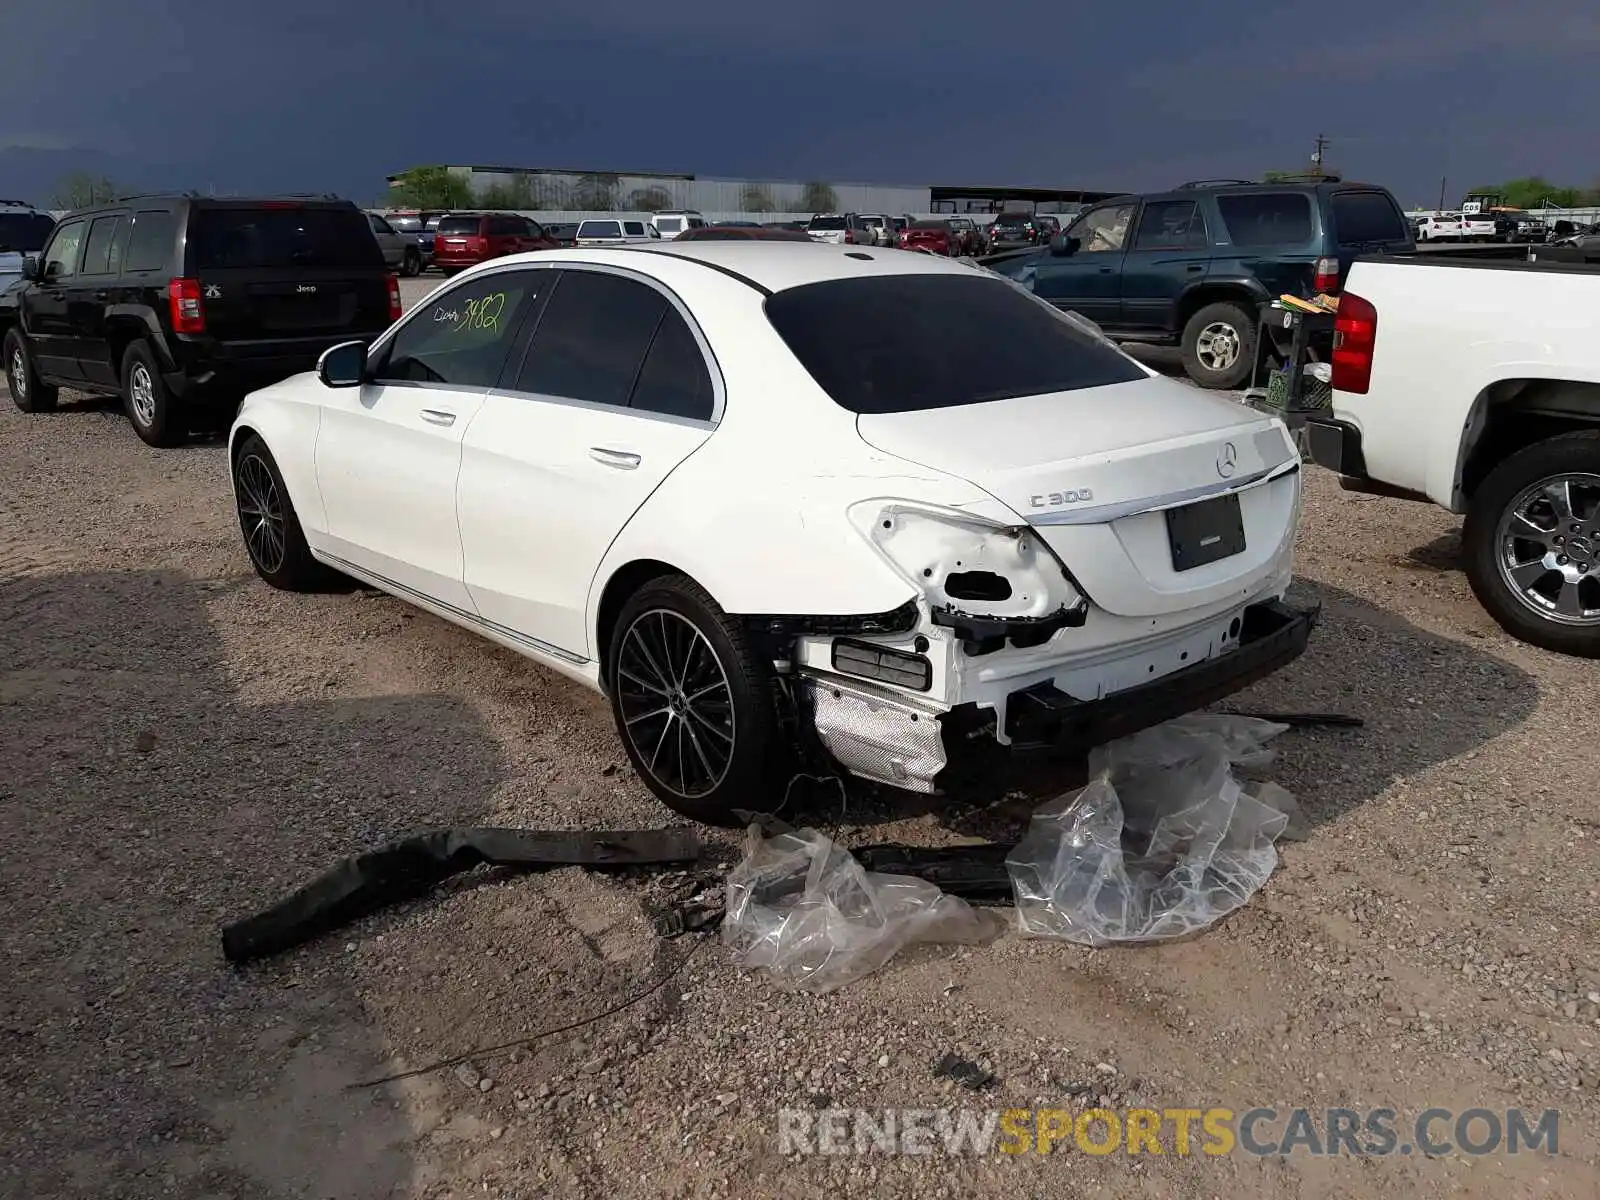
x=293 y=236
x=1171 y=225
x=674 y=380
x=100 y=256
x=1360 y=217
x=1267 y=218
x=457 y=226
x=903 y=343
x=592 y=338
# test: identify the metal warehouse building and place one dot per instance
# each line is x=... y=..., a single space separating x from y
x=549 y=190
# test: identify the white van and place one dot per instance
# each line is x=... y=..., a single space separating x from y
x=614 y=231
x=670 y=222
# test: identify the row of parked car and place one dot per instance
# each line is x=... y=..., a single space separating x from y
x=1494 y=225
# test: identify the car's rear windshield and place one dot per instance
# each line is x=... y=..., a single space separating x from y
x=904 y=343
x=1360 y=217
x=1012 y=219
x=669 y=224
x=826 y=223
x=458 y=225
x=1267 y=218
x=600 y=229
x=281 y=237
x=939 y=225
x=24 y=233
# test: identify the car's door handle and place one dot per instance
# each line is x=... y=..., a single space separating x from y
x=438 y=416
x=1107 y=270
x=100 y=296
x=1195 y=268
x=624 y=459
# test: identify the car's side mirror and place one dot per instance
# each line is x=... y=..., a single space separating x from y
x=344 y=365
x=1061 y=245
x=30 y=266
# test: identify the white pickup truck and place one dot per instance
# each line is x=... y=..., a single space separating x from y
x=1476 y=385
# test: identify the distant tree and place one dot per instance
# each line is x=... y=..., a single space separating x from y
x=431 y=187
x=758 y=198
x=79 y=190
x=596 y=192
x=517 y=195
x=1274 y=176
x=648 y=199
x=1536 y=192
x=818 y=197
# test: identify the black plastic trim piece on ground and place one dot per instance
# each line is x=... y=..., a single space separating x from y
x=410 y=868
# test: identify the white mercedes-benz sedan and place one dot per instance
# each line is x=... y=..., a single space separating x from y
x=790 y=507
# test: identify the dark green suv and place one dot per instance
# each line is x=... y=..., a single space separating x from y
x=1190 y=267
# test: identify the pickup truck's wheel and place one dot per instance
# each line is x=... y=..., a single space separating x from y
x=272 y=534
x=411 y=264
x=155 y=413
x=1532 y=544
x=1219 y=345
x=693 y=703
x=27 y=393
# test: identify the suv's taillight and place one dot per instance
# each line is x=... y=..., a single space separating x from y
x=1327 y=275
x=395 y=307
x=183 y=295
x=1355 y=337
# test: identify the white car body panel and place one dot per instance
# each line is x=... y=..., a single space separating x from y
x=1446 y=335
x=398 y=523
x=513 y=517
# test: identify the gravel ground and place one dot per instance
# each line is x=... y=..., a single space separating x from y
x=179 y=745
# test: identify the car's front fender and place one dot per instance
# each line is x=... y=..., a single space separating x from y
x=287 y=423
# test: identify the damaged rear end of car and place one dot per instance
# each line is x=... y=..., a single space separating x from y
x=1128 y=563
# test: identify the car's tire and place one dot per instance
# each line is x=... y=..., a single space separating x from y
x=267 y=520
x=1532 y=610
x=713 y=686
x=411 y=264
x=157 y=416
x=1219 y=345
x=22 y=378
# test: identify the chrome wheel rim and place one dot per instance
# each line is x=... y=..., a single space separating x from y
x=142 y=395
x=676 y=704
x=1548 y=548
x=19 y=374
x=261 y=515
x=1217 y=348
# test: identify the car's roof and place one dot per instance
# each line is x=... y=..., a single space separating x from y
x=769 y=264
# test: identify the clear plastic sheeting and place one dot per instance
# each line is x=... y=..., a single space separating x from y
x=806 y=911
x=1163 y=841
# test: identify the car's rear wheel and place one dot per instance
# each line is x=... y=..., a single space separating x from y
x=272 y=534
x=27 y=392
x=411 y=264
x=1219 y=345
x=155 y=413
x=1532 y=544
x=693 y=703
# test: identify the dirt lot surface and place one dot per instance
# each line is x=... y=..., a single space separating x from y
x=179 y=745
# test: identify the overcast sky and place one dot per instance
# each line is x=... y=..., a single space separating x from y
x=315 y=94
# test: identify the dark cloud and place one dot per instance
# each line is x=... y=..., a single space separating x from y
x=334 y=94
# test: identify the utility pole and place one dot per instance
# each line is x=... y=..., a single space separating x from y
x=1443 y=179
x=1318 y=158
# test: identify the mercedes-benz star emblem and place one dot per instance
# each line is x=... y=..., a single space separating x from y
x=1228 y=460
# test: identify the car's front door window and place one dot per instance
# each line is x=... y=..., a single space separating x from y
x=460 y=339
x=1103 y=229
x=61 y=256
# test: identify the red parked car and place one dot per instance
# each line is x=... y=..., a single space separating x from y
x=936 y=237
x=466 y=239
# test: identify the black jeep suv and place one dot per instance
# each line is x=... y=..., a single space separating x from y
x=1191 y=267
x=178 y=301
